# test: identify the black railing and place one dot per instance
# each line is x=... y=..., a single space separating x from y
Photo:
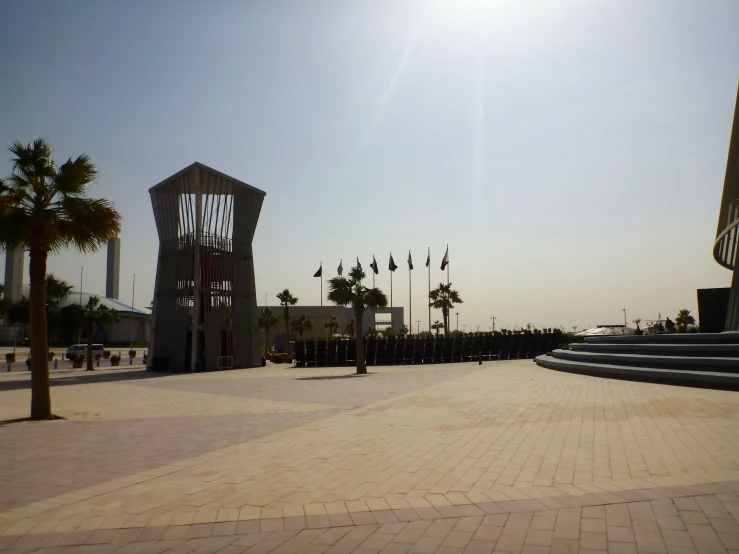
x=406 y=351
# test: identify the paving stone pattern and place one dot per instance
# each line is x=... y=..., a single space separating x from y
x=503 y=457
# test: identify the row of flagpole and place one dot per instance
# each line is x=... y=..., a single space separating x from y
x=392 y=267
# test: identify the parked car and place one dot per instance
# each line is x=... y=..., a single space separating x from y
x=81 y=350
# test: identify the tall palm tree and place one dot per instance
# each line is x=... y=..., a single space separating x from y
x=331 y=325
x=43 y=209
x=287 y=299
x=301 y=325
x=684 y=319
x=349 y=291
x=436 y=325
x=96 y=314
x=444 y=298
x=267 y=319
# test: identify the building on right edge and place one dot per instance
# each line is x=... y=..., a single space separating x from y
x=727 y=235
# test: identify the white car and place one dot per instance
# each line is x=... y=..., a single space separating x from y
x=81 y=350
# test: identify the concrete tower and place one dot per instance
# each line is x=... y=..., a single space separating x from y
x=113 y=275
x=205 y=303
x=727 y=236
x=14 y=260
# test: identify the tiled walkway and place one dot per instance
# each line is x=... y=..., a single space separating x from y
x=503 y=457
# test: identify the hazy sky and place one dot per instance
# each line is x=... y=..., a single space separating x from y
x=571 y=153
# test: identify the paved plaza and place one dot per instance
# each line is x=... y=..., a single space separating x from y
x=455 y=458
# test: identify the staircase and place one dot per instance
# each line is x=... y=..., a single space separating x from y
x=695 y=359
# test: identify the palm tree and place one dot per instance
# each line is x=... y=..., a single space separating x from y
x=301 y=325
x=349 y=329
x=444 y=298
x=267 y=319
x=57 y=291
x=684 y=319
x=287 y=299
x=96 y=314
x=43 y=209
x=331 y=325
x=349 y=291
x=436 y=325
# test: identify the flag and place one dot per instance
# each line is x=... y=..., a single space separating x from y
x=410 y=260
x=428 y=259
x=392 y=266
x=373 y=265
x=358 y=264
x=319 y=273
x=341 y=267
x=445 y=261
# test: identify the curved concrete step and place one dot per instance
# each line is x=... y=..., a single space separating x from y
x=672 y=338
x=691 y=363
x=676 y=376
x=656 y=349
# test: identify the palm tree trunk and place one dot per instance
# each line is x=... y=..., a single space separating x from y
x=287 y=330
x=90 y=331
x=40 y=386
x=446 y=322
x=361 y=362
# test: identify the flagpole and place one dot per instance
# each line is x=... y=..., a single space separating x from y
x=448 y=315
x=321 y=293
x=428 y=300
x=410 y=300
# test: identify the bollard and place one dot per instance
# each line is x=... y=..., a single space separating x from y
x=479 y=357
x=98 y=362
x=56 y=364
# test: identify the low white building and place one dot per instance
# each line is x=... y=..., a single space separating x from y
x=133 y=324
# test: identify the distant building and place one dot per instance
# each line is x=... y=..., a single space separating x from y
x=380 y=319
x=133 y=324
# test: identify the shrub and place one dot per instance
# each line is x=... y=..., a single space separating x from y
x=131 y=353
x=115 y=360
x=106 y=354
x=10 y=357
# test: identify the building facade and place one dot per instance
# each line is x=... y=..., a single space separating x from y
x=727 y=234
x=380 y=319
x=205 y=308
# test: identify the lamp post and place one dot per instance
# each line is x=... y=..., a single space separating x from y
x=493 y=318
x=457 y=314
x=624 y=310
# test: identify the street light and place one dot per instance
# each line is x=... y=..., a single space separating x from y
x=624 y=310
x=457 y=314
x=493 y=318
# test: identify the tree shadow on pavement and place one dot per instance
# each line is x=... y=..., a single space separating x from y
x=327 y=377
x=87 y=378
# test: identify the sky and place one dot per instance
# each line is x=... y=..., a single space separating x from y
x=571 y=153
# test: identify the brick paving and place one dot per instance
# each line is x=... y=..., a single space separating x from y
x=459 y=458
